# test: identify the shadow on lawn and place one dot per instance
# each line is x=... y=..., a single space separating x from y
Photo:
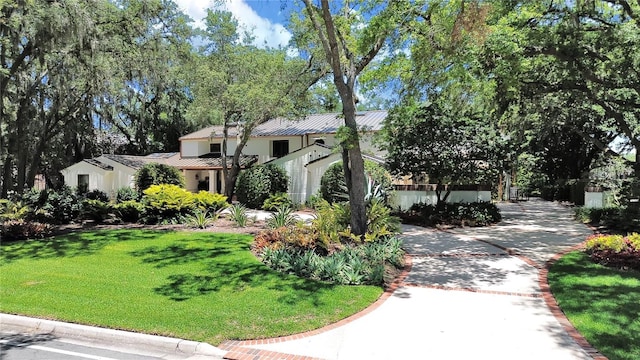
x=603 y=296
x=227 y=265
x=69 y=245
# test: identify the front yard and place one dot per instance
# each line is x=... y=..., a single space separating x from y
x=602 y=303
x=200 y=286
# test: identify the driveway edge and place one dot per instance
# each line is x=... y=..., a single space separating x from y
x=96 y=335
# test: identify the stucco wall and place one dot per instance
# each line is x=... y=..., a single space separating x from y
x=300 y=175
x=99 y=179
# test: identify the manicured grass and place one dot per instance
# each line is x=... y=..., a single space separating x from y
x=199 y=286
x=602 y=303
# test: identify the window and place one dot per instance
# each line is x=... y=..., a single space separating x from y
x=279 y=148
x=215 y=150
x=83 y=182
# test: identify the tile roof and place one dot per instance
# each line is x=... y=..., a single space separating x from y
x=312 y=124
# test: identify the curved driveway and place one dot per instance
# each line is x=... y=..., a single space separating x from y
x=470 y=293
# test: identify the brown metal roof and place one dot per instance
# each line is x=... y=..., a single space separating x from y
x=208 y=163
x=99 y=164
x=312 y=124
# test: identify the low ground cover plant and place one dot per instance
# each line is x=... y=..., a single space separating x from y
x=622 y=252
x=327 y=250
x=455 y=214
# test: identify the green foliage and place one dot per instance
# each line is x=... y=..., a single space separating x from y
x=449 y=143
x=283 y=217
x=166 y=202
x=460 y=214
x=380 y=222
x=615 y=218
x=605 y=242
x=127 y=194
x=615 y=250
x=352 y=265
x=238 y=214
x=10 y=210
x=209 y=202
x=334 y=189
x=97 y=195
x=257 y=183
x=330 y=220
x=156 y=174
x=129 y=210
x=12 y=230
x=96 y=210
x=200 y=219
x=274 y=201
x=53 y=206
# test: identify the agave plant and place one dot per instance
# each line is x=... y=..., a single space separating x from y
x=281 y=218
x=238 y=214
x=200 y=219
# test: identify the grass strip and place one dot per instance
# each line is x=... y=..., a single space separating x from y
x=602 y=303
x=200 y=286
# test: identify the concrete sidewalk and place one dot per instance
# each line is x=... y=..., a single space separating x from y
x=470 y=293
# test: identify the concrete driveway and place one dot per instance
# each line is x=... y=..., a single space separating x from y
x=470 y=293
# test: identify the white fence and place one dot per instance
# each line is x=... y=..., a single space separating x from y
x=405 y=196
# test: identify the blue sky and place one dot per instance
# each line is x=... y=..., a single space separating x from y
x=263 y=16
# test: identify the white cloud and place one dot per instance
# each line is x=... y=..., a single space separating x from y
x=264 y=30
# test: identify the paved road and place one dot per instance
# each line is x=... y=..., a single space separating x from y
x=472 y=293
x=47 y=347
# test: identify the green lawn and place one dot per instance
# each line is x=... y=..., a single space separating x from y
x=199 y=286
x=602 y=303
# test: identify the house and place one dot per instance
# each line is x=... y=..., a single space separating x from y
x=304 y=148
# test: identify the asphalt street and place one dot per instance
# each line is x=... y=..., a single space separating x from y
x=47 y=347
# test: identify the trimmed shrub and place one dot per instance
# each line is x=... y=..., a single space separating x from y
x=127 y=194
x=166 y=202
x=21 y=230
x=458 y=214
x=209 y=202
x=334 y=189
x=257 y=183
x=274 y=201
x=96 y=210
x=129 y=211
x=97 y=195
x=156 y=174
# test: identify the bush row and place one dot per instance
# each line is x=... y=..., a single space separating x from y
x=459 y=214
x=623 y=219
x=24 y=217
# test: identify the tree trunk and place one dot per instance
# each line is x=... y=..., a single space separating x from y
x=355 y=167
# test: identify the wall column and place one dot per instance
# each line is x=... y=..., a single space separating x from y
x=212 y=181
x=222 y=183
